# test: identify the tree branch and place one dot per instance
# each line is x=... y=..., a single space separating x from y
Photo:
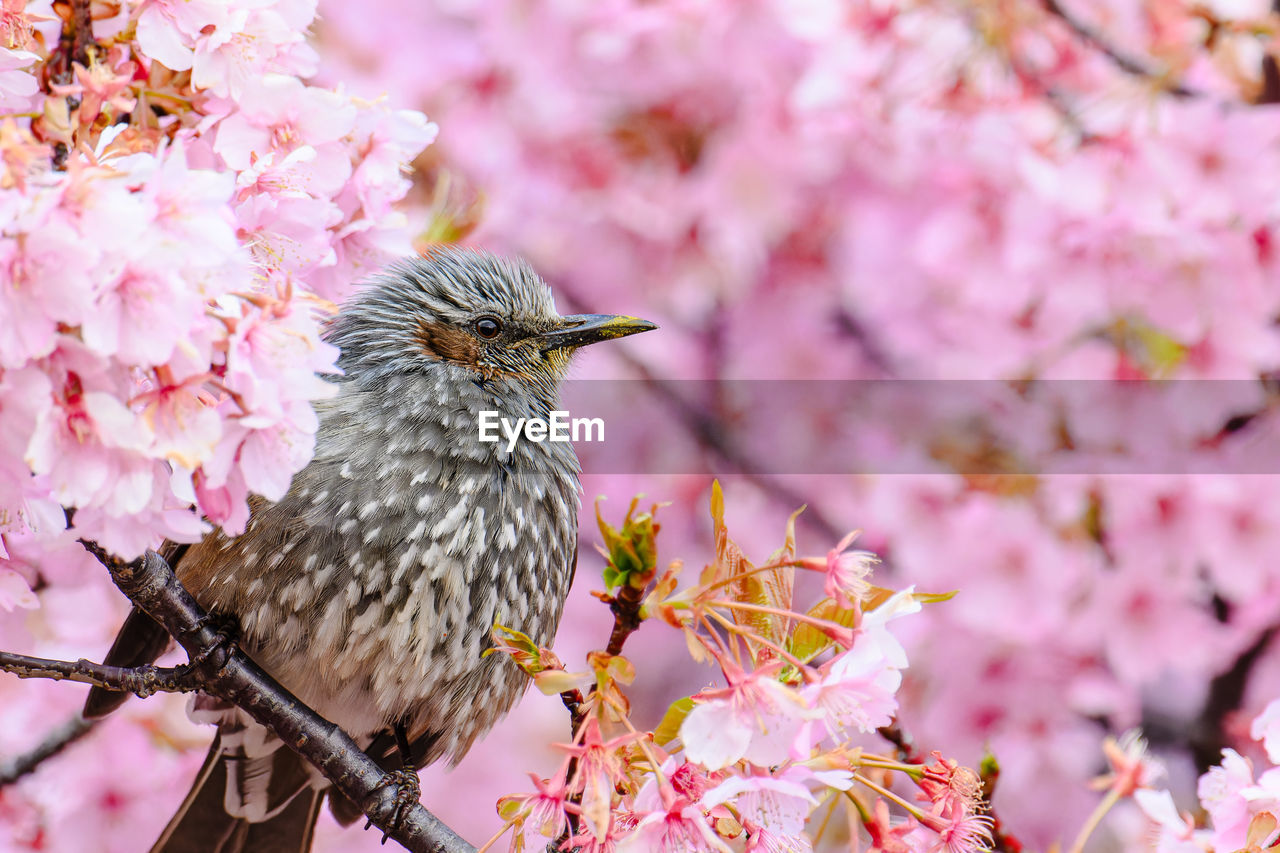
x=141 y=681
x=150 y=583
x=626 y=617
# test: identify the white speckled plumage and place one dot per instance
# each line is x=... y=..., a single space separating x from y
x=428 y=522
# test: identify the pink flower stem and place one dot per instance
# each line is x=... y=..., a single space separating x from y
x=754 y=637
x=821 y=624
x=1095 y=818
x=493 y=839
x=757 y=570
x=912 y=809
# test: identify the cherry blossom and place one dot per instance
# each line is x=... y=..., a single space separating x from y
x=846 y=572
x=756 y=717
x=678 y=828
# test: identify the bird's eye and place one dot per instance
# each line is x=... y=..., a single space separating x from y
x=488 y=327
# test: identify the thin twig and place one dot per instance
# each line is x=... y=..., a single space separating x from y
x=904 y=744
x=626 y=617
x=141 y=680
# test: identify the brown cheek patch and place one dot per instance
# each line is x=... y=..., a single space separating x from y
x=448 y=344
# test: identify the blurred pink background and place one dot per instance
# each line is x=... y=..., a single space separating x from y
x=855 y=190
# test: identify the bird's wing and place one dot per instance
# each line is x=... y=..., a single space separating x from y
x=203 y=824
x=573 y=565
x=140 y=641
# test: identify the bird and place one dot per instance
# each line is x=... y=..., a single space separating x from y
x=371 y=589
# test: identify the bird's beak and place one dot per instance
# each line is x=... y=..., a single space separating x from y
x=578 y=330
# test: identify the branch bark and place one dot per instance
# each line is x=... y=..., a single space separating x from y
x=141 y=681
x=151 y=584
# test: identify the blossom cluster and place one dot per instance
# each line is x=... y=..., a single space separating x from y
x=749 y=762
x=180 y=207
x=179 y=211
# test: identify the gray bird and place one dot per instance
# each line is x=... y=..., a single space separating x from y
x=370 y=590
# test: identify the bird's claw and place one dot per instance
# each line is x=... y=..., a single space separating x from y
x=408 y=792
x=226 y=629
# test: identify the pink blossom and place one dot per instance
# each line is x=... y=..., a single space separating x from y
x=167 y=29
x=1266 y=728
x=255 y=41
x=102 y=84
x=14 y=590
x=960 y=833
x=1221 y=791
x=540 y=815
x=756 y=717
x=142 y=296
x=90 y=446
x=281 y=113
x=774 y=808
x=846 y=572
x=598 y=774
x=385 y=139
x=18 y=86
x=1131 y=766
x=949 y=788
x=47 y=280
x=1176 y=832
x=856 y=691
x=888 y=836
x=678 y=828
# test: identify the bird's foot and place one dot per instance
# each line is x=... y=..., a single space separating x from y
x=226 y=630
x=408 y=792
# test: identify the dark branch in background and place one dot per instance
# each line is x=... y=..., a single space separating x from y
x=904 y=744
x=1126 y=63
x=1270 y=93
x=219 y=669
x=57 y=740
x=1207 y=734
x=1226 y=694
x=850 y=326
x=709 y=432
x=77 y=33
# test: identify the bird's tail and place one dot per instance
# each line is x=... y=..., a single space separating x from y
x=203 y=824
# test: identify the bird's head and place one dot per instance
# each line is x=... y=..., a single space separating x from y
x=472 y=310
